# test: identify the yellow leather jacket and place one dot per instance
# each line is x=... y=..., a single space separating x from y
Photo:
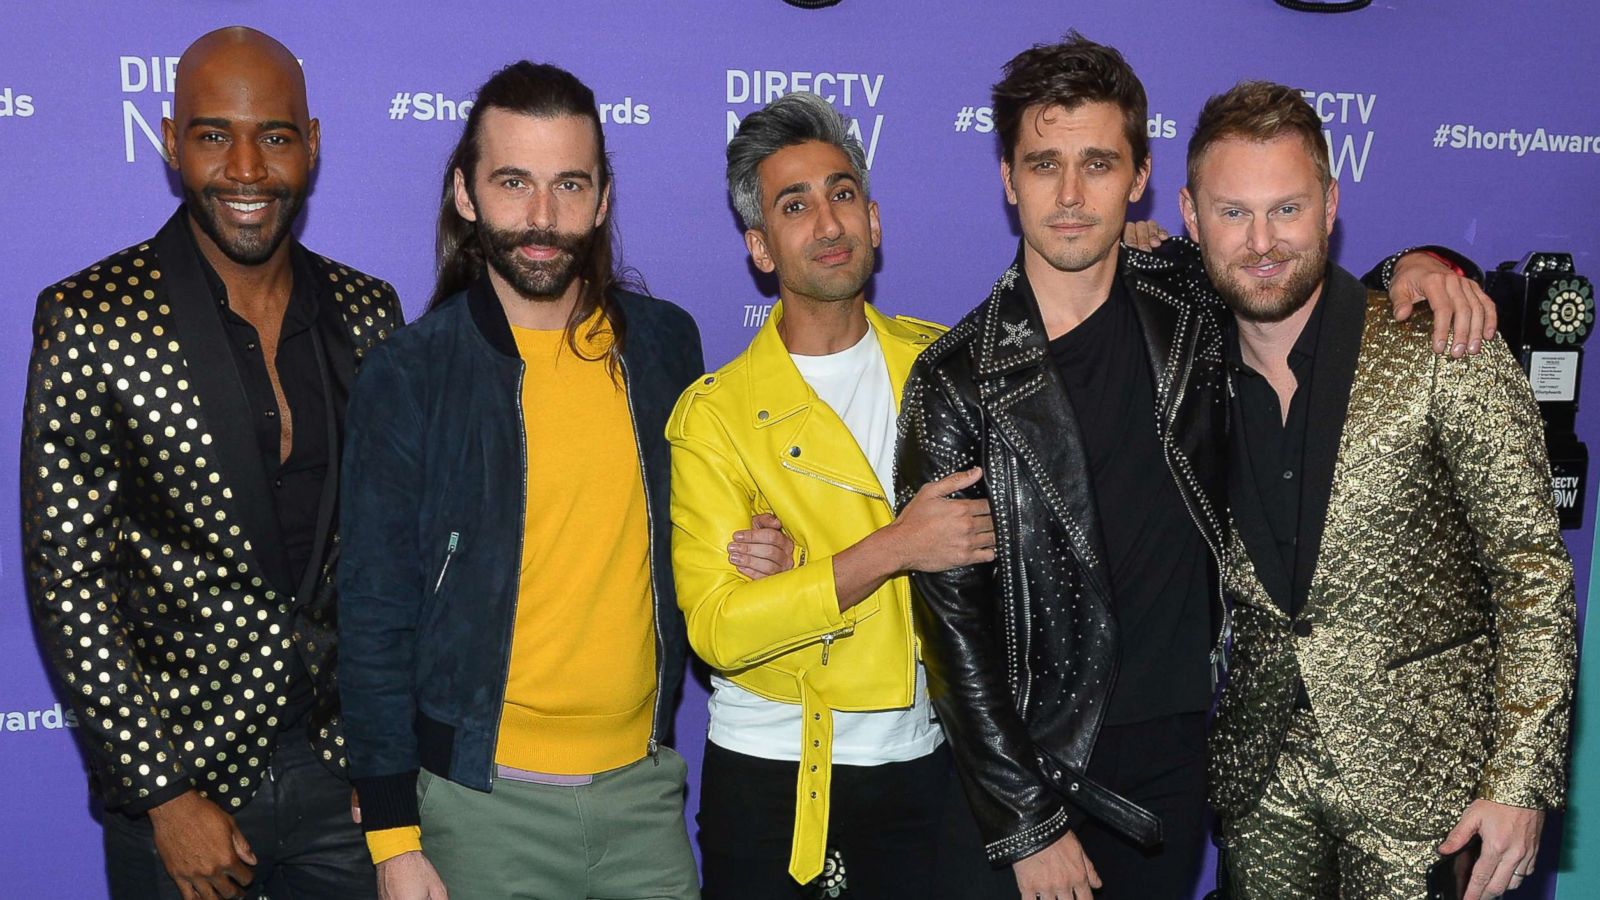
x=753 y=438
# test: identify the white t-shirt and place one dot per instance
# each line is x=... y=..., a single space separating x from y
x=855 y=384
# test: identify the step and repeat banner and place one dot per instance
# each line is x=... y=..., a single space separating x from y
x=1471 y=123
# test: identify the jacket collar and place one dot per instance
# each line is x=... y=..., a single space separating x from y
x=483 y=305
x=777 y=389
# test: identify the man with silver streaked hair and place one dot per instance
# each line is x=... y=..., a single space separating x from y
x=821 y=734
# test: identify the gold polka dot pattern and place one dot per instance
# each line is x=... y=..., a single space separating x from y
x=170 y=646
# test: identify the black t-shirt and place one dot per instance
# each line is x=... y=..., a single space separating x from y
x=1156 y=557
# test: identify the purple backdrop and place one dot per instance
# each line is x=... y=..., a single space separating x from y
x=1451 y=123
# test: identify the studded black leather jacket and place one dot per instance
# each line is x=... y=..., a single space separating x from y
x=1022 y=654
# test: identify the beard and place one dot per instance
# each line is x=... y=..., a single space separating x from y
x=830 y=285
x=1268 y=303
x=535 y=279
x=248 y=245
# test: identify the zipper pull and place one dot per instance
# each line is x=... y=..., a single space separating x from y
x=827 y=643
x=655 y=751
x=449 y=552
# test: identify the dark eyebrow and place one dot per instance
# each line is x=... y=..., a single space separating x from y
x=799 y=187
x=1041 y=155
x=268 y=125
x=510 y=172
x=1099 y=153
x=837 y=177
x=575 y=175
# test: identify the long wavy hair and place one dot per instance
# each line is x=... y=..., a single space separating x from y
x=542 y=91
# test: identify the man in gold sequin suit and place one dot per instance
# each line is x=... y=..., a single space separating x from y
x=179 y=458
x=1402 y=599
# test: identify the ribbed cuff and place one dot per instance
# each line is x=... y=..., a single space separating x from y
x=391 y=842
x=388 y=801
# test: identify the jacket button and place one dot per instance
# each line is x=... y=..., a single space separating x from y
x=709 y=379
x=762 y=415
x=1073 y=787
x=794 y=451
x=1302 y=628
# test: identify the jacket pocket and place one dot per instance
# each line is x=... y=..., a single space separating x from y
x=1439 y=666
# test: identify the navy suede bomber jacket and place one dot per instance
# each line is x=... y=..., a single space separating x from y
x=431 y=518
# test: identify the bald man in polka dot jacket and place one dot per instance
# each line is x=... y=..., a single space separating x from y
x=158 y=583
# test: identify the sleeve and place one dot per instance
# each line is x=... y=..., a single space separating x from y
x=72 y=518
x=387 y=843
x=381 y=587
x=1018 y=812
x=1490 y=427
x=733 y=622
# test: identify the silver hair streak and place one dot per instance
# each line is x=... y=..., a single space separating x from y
x=791 y=119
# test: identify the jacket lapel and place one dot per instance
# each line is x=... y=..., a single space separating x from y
x=216 y=381
x=815 y=441
x=1338 y=349
x=1031 y=411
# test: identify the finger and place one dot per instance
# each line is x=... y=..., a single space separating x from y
x=957 y=481
x=1476 y=337
x=983 y=524
x=1491 y=313
x=752 y=574
x=1460 y=322
x=241 y=846
x=766 y=520
x=1441 y=323
x=1516 y=882
x=1402 y=308
x=1094 y=876
x=769 y=552
x=187 y=890
x=1482 y=874
x=770 y=536
x=1459 y=835
x=1503 y=873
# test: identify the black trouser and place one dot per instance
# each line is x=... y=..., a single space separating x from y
x=298 y=825
x=883 y=820
x=1159 y=765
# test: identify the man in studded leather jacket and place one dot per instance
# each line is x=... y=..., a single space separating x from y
x=1073 y=674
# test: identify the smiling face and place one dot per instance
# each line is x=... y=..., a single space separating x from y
x=819 y=232
x=242 y=142
x=1071 y=178
x=536 y=198
x=1261 y=217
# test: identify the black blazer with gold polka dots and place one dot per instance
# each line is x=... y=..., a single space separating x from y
x=155 y=574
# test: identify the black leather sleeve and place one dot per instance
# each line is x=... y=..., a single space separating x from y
x=960 y=620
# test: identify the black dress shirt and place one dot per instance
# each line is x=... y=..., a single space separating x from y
x=297 y=482
x=1157 y=558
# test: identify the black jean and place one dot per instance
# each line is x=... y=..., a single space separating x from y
x=298 y=825
x=883 y=821
x=1159 y=764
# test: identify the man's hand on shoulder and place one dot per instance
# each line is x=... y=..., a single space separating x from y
x=1460 y=307
x=202 y=848
x=1061 y=871
x=409 y=876
x=1510 y=837
x=1146 y=235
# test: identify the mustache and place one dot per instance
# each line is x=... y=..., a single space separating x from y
x=1071 y=218
x=1271 y=257
x=823 y=246
x=511 y=238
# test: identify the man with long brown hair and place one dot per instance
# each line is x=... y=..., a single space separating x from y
x=514 y=642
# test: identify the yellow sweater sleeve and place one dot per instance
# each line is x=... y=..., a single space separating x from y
x=387 y=843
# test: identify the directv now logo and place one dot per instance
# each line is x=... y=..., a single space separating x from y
x=1350 y=111
x=153 y=75
x=849 y=91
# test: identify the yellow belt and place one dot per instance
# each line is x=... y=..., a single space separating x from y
x=813 y=786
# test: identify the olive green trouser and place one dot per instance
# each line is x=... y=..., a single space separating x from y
x=621 y=837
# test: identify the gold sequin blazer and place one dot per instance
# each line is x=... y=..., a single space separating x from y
x=155 y=577
x=1436 y=641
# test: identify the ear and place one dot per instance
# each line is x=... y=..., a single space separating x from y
x=756 y=241
x=464 y=205
x=604 y=209
x=1141 y=180
x=314 y=141
x=169 y=142
x=873 y=224
x=1190 y=220
x=1332 y=204
x=1005 y=181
